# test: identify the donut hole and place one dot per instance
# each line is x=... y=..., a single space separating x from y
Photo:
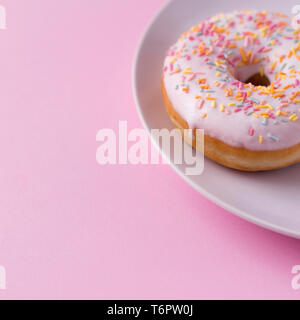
x=251 y=74
x=258 y=80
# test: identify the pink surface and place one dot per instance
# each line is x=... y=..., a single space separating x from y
x=73 y=229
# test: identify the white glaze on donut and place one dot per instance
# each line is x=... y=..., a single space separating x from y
x=217 y=56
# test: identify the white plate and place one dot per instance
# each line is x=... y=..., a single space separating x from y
x=270 y=199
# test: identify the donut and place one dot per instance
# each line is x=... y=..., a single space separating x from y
x=237 y=77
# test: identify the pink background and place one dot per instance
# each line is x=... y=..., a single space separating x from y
x=71 y=228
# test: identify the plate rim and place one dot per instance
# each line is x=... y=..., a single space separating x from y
x=208 y=195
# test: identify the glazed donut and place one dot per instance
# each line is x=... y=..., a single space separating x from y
x=237 y=77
